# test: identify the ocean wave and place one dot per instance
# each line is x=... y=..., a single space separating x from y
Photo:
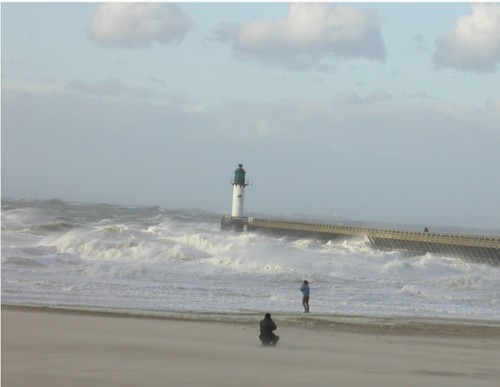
x=463 y=283
x=58 y=226
x=100 y=255
x=397 y=266
x=21 y=261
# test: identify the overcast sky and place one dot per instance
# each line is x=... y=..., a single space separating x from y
x=375 y=112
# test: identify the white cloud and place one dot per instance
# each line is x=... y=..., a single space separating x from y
x=353 y=98
x=379 y=96
x=309 y=34
x=474 y=43
x=496 y=104
x=113 y=87
x=132 y=25
x=36 y=86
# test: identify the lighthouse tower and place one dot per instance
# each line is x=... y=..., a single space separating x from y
x=239 y=183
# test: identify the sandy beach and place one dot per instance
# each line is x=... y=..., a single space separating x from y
x=47 y=347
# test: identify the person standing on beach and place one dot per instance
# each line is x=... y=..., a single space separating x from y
x=267 y=326
x=305 y=296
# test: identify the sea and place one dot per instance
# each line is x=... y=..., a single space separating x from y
x=102 y=256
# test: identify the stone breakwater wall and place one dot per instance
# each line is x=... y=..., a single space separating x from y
x=483 y=249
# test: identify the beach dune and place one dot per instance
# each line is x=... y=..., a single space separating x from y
x=55 y=348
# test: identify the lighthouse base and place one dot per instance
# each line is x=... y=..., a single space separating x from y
x=230 y=223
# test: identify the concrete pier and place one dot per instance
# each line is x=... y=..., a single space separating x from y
x=483 y=249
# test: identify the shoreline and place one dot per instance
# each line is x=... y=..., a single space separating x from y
x=66 y=347
x=327 y=322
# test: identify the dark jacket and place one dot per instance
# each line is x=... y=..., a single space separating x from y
x=267 y=326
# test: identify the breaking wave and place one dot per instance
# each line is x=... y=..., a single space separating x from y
x=95 y=255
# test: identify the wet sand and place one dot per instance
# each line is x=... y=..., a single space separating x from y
x=51 y=347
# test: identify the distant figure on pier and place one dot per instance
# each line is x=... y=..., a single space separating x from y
x=305 y=296
x=267 y=326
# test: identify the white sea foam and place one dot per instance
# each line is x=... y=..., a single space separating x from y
x=54 y=253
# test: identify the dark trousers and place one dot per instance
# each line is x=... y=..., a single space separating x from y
x=269 y=340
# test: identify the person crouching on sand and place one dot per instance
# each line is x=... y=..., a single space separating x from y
x=267 y=326
x=305 y=296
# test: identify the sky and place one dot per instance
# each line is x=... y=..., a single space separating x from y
x=377 y=112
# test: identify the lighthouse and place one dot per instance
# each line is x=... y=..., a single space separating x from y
x=239 y=183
